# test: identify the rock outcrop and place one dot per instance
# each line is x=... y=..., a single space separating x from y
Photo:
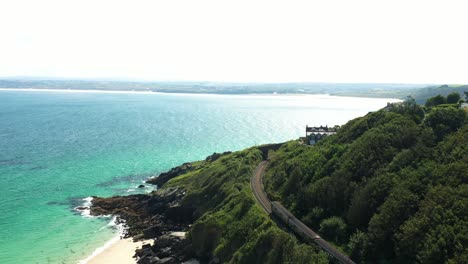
x=152 y=216
x=174 y=172
x=165 y=249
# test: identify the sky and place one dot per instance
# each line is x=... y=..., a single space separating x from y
x=237 y=41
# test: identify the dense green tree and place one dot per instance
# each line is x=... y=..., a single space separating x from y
x=367 y=199
x=453 y=98
x=398 y=207
x=357 y=246
x=436 y=100
x=293 y=182
x=410 y=108
x=445 y=120
x=436 y=232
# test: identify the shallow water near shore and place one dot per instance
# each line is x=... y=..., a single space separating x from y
x=58 y=148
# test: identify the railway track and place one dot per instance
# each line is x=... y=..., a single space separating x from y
x=278 y=210
x=256 y=183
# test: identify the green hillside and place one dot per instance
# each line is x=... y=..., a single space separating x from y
x=390 y=187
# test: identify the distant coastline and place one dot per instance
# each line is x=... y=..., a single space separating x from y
x=157 y=92
x=420 y=92
x=180 y=93
x=381 y=90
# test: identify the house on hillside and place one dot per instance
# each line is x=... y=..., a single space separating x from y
x=315 y=134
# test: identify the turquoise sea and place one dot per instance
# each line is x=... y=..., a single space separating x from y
x=57 y=148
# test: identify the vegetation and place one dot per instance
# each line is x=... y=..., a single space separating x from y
x=453 y=98
x=439 y=100
x=230 y=226
x=422 y=95
x=390 y=187
x=436 y=100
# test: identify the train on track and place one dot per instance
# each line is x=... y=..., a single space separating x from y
x=278 y=210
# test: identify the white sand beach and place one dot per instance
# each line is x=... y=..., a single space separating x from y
x=119 y=252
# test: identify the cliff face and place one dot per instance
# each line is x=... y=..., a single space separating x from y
x=390 y=186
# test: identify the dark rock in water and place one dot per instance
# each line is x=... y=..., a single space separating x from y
x=141 y=186
x=118 y=205
x=81 y=208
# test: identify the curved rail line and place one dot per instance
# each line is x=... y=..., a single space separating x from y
x=277 y=209
x=257 y=187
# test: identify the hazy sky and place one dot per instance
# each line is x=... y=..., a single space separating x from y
x=244 y=41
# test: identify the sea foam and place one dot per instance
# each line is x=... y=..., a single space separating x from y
x=85 y=208
x=99 y=250
x=114 y=223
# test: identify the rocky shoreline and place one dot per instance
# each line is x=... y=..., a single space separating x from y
x=158 y=216
x=161 y=216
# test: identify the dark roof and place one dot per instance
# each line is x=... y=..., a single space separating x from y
x=319 y=129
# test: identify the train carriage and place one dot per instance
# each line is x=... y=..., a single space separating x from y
x=278 y=210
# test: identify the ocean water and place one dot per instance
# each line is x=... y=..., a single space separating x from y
x=58 y=148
